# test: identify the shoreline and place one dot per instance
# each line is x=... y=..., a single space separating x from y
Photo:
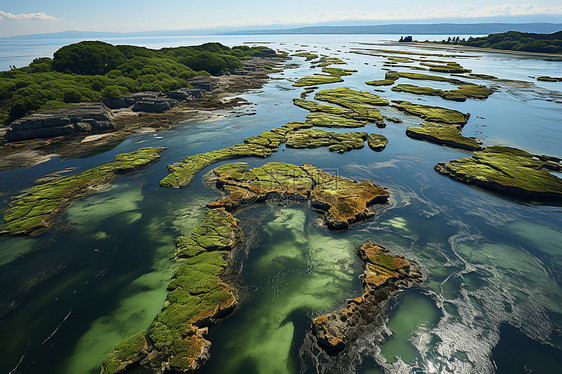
x=31 y=152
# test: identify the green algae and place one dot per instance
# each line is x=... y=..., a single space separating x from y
x=446 y=67
x=307 y=91
x=362 y=103
x=381 y=82
x=430 y=77
x=508 y=170
x=433 y=113
x=393 y=119
x=36 y=210
x=182 y=172
x=337 y=142
x=460 y=94
x=317 y=79
x=445 y=134
x=338 y=71
x=313 y=106
x=307 y=55
x=321 y=119
x=377 y=142
x=327 y=61
x=125 y=354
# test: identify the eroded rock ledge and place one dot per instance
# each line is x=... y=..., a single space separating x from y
x=384 y=275
x=198 y=293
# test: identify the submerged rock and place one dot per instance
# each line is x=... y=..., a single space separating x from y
x=383 y=276
x=510 y=171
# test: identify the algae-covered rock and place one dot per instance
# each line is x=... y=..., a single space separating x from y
x=381 y=82
x=36 y=210
x=307 y=55
x=444 y=134
x=182 y=172
x=197 y=298
x=433 y=113
x=363 y=104
x=316 y=79
x=343 y=201
x=125 y=355
x=510 y=171
x=383 y=276
x=338 y=142
x=327 y=61
x=446 y=67
x=332 y=120
x=377 y=142
x=338 y=71
x=460 y=94
x=429 y=77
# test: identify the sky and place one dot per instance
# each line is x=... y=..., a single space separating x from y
x=18 y=17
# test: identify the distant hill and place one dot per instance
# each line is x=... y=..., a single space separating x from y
x=515 y=41
x=435 y=29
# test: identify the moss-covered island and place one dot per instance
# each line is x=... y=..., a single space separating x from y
x=377 y=142
x=198 y=295
x=433 y=113
x=337 y=142
x=36 y=210
x=546 y=78
x=460 y=94
x=509 y=171
x=444 y=134
x=383 y=276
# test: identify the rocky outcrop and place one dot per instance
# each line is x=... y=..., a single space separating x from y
x=157 y=104
x=79 y=118
x=384 y=275
x=204 y=83
x=342 y=201
x=510 y=171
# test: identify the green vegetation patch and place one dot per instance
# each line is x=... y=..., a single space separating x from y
x=36 y=210
x=307 y=55
x=446 y=67
x=515 y=41
x=317 y=107
x=433 y=113
x=460 y=94
x=509 y=171
x=125 y=354
x=381 y=82
x=337 y=142
x=327 y=61
x=445 y=134
x=362 y=103
x=429 y=77
x=338 y=71
x=321 y=119
x=316 y=79
x=262 y=145
x=377 y=142
x=91 y=70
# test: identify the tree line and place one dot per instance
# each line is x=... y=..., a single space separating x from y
x=92 y=70
x=515 y=41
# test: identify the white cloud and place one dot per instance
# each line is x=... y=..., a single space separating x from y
x=5 y=16
x=411 y=13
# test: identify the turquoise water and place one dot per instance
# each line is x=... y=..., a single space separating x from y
x=492 y=265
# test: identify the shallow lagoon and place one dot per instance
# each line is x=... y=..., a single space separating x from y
x=73 y=292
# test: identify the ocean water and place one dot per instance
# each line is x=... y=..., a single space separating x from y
x=491 y=300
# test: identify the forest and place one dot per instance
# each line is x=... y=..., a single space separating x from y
x=515 y=41
x=93 y=70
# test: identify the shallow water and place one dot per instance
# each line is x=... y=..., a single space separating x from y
x=489 y=262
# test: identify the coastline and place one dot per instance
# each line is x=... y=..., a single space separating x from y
x=254 y=75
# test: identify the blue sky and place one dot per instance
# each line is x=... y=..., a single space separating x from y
x=33 y=16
